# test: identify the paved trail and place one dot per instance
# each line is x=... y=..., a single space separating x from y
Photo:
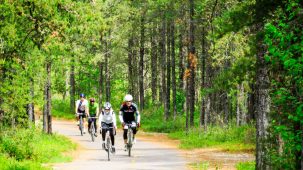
x=146 y=155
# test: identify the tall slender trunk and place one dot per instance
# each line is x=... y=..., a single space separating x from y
x=163 y=71
x=130 y=66
x=100 y=87
x=262 y=107
x=203 y=59
x=192 y=64
x=168 y=69
x=160 y=70
x=72 y=85
x=47 y=119
x=173 y=63
x=30 y=107
x=107 y=72
x=141 y=64
x=136 y=73
x=153 y=64
x=238 y=113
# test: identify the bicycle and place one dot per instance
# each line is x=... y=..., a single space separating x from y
x=108 y=145
x=130 y=136
x=81 y=126
x=92 y=128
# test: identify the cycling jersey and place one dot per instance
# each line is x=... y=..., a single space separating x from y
x=108 y=117
x=92 y=109
x=81 y=105
x=127 y=113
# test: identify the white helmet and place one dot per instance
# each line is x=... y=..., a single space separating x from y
x=107 y=105
x=128 y=97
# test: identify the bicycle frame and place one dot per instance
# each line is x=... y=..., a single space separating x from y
x=92 y=128
x=130 y=136
x=108 y=146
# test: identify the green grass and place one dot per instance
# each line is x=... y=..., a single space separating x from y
x=230 y=138
x=61 y=110
x=29 y=148
x=246 y=166
x=200 y=165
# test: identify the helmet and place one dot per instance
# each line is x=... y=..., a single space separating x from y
x=82 y=95
x=107 y=105
x=92 y=100
x=128 y=97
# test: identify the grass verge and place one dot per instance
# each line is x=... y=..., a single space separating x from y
x=246 y=166
x=28 y=149
x=61 y=110
x=229 y=138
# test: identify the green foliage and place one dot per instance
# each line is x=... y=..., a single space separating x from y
x=7 y=163
x=60 y=109
x=200 y=166
x=28 y=148
x=231 y=138
x=246 y=166
x=284 y=40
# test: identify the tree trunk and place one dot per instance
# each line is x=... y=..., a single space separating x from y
x=173 y=63
x=192 y=64
x=168 y=70
x=107 y=72
x=160 y=70
x=262 y=107
x=100 y=89
x=47 y=119
x=238 y=106
x=154 y=59
x=72 y=86
x=163 y=71
x=141 y=64
x=203 y=59
x=130 y=66
x=30 y=111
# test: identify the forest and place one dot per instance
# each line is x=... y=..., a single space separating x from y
x=193 y=67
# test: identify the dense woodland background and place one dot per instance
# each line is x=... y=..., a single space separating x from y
x=192 y=64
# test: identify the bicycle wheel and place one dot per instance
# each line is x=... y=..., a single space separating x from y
x=81 y=125
x=92 y=131
x=108 y=145
x=129 y=141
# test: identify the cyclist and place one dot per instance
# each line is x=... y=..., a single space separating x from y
x=127 y=114
x=108 y=121
x=82 y=109
x=93 y=112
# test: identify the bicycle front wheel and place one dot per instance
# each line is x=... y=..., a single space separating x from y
x=108 y=145
x=81 y=125
x=129 y=141
x=92 y=132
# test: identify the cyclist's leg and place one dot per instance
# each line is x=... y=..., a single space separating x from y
x=125 y=135
x=84 y=122
x=104 y=129
x=111 y=133
x=89 y=124
x=95 y=124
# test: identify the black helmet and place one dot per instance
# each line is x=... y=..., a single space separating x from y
x=92 y=100
x=82 y=95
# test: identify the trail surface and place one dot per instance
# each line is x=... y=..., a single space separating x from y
x=146 y=155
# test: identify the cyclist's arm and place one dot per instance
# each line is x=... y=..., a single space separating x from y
x=87 y=108
x=137 y=113
x=76 y=108
x=114 y=120
x=100 y=118
x=138 y=116
x=121 y=117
